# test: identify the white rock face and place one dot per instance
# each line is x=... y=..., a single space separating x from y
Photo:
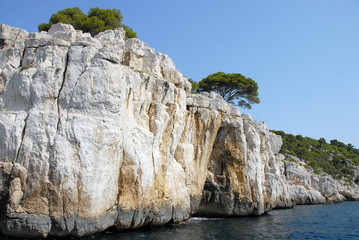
x=244 y=176
x=101 y=131
x=95 y=137
x=308 y=188
x=12 y=43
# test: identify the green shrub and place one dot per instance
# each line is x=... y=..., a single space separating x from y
x=291 y=160
x=97 y=20
x=24 y=68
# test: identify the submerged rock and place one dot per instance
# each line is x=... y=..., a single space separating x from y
x=99 y=132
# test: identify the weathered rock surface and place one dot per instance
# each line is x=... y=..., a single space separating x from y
x=95 y=133
x=309 y=188
x=101 y=131
x=244 y=177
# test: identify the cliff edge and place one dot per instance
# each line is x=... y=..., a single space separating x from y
x=99 y=132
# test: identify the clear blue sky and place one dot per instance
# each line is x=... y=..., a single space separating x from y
x=304 y=54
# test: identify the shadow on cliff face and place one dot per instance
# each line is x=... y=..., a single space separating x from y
x=2 y=43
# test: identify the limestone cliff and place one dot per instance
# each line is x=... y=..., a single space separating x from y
x=93 y=128
x=101 y=131
x=244 y=176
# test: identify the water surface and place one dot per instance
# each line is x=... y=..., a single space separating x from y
x=334 y=221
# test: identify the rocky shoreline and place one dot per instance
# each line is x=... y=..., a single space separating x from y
x=99 y=132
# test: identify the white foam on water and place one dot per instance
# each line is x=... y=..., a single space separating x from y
x=200 y=219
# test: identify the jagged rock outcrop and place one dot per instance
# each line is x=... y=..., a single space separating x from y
x=244 y=177
x=247 y=175
x=101 y=131
x=96 y=133
x=310 y=188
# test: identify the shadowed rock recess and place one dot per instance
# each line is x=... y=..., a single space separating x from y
x=99 y=132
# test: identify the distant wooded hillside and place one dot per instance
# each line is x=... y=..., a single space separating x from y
x=334 y=158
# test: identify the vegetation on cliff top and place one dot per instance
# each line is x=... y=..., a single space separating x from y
x=97 y=20
x=195 y=85
x=233 y=87
x=334 y=158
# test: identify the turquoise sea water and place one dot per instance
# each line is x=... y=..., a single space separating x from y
x=333 y=221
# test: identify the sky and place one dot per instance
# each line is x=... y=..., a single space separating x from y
x=304 y=54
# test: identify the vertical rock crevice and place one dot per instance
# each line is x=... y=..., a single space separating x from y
x=22 y=139
x=59 y=92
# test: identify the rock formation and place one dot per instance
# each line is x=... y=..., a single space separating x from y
x=101 y=131
x=244 y=177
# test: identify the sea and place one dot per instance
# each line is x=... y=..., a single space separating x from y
x=329 y=221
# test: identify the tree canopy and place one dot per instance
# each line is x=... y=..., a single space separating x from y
x=97 y=20
x=233 y=87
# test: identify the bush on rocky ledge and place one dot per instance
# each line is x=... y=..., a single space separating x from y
x=96 y=21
